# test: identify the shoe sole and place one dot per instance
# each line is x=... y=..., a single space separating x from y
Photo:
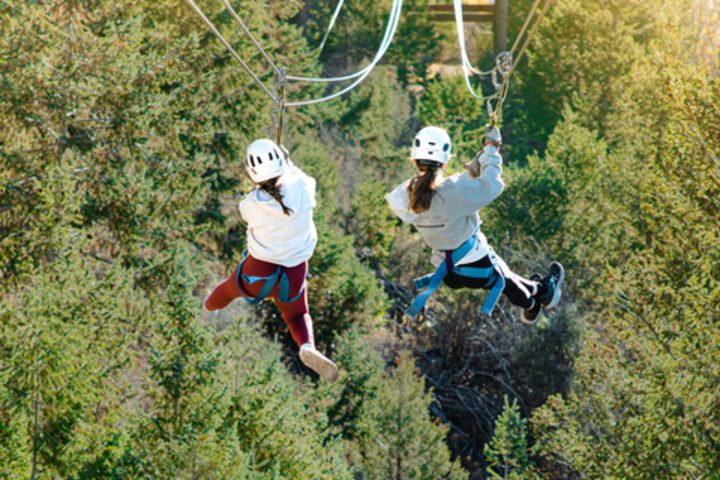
x=528 y=321
x=558 y=291
x=320 y=364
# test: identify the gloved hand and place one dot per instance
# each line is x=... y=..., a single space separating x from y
x=492 y=135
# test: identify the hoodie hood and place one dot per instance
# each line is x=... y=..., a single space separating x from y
x=297 y=193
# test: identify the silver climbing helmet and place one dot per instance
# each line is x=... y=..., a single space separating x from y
x=264 y=160
x=431 y=143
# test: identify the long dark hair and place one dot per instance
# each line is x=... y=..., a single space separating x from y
x=272 y=188
x=422 y=187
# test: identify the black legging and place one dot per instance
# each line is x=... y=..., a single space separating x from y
x=518 y=290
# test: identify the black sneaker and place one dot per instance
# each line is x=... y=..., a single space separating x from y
x=551 y=297
x=530 y=315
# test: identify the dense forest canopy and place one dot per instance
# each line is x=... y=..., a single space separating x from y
x=123 y=127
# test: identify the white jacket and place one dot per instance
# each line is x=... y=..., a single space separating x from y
x=274 y=237
x=452 y=217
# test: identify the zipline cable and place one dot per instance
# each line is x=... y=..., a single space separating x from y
x=361 y=73
x=532 y=32
x=390 y=30
x=467 y=67
x=330 y=27
x=464 y=59
x=393 y=22
x=505 y=62
x=389 y=33
x=506 y=80
x=231 y=49
x=529 y=16
x=247 y=31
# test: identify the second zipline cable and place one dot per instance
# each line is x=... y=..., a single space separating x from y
x=389 y=34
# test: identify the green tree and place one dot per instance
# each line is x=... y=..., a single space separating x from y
x=371 y=221
x=352 y=404
x=507 y=453
x=282 y=431
x=343 y=292
x=63 y=337
x=408 y=444
x=181 y=434
x=645 y=399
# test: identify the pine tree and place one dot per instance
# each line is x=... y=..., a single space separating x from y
x=182 y=435
x=63 y=339
x=352 y=404
x=278 y=426
x=507 y=453
x=408 y=444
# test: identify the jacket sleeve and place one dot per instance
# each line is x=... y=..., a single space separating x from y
x=472 y=193
x=399 y=203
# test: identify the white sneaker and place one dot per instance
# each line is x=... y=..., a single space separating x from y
x=318 y=362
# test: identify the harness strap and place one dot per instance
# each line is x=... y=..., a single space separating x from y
x=268 y=286
x=433 y=281
x=429 y=283
x=285 y=289
x=495 y=282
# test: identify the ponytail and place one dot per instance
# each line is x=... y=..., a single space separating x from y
x=422 y=188
x=272 y=188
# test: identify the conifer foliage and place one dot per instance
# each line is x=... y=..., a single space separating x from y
x=123 y=127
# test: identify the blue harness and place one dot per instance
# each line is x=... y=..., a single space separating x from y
x=267 y=287
x=429 y=283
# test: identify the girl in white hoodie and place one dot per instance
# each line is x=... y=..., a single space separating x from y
x=444 y=211
x=281 y=238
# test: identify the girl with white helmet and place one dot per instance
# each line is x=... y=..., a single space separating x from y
x=444 y=211
x=281 y=238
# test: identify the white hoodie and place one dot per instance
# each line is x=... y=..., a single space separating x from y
x=452 y=217
x=274 y=237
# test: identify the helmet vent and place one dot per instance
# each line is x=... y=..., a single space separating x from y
x=446 y=147
x=252 y=161
x=417 y=142
x=432 y=143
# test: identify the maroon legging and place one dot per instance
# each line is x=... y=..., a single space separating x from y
x=296 y=314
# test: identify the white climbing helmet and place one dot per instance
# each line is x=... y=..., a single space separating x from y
x=264 y=160
x=431 y=143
